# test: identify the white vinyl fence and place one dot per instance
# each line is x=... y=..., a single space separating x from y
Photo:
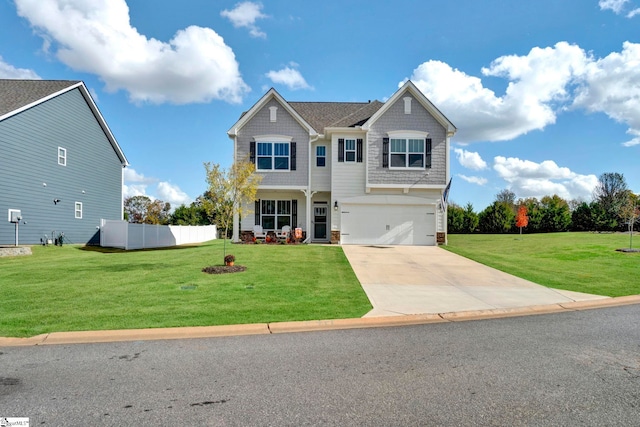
x=121 y=234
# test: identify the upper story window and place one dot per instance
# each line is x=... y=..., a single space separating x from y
x=273 y=156
x=350 y=150
x=78 y=210
x=406 y=150
x=407 y=153
x=273 y=153
x=321 y=156
x=62 y=156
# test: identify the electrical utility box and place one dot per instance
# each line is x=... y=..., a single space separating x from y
x=15 y=215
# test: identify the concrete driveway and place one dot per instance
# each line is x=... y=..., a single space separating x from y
x=401 y=280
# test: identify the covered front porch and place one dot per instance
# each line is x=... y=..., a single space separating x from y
x=296 y=208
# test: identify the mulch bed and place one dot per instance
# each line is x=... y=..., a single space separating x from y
x=221 y=269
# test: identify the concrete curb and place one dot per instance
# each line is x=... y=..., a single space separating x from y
x=86 y=337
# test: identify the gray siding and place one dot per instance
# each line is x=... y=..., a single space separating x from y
x=285 y=125
x=29 y=144
x=419 y=120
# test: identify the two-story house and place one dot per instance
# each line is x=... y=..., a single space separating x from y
x=61 y=169
x=347 y=172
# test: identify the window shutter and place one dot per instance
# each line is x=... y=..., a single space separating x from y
x=427 y=154
x=359 y=151
x=293 y=156
x=294 y=213
x=341 y=150
x=257 y=211
x=252 y=154
x=385 y=152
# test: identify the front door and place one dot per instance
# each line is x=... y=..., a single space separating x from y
x=320 y=222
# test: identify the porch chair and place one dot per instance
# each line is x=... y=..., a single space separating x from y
x=284 y=233
x=258 y=233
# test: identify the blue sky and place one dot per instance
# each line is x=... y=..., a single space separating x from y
x=545 y=94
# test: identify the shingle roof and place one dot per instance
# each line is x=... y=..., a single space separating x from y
x=15 y=94
x=321 y=115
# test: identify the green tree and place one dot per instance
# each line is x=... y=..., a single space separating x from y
x=135 y=208
x=581 y=218
x=555 y=214
x=230 y=193
x=611 y=194
x=194 y=214
x=470 y=219
x=534 y=214
x=496 y=218
x=455 y=219
x=507 y=197
x=158 y=212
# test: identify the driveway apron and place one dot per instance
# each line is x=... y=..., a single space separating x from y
x=401 y=280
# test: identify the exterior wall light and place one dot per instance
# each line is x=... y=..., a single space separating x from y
x=335 y=206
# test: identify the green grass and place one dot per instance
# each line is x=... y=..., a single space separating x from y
x=581 y=262
x=73 y=288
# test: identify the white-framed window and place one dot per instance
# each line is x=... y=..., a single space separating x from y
x=407 y=152
x=272 y=156
x=274 y=214
x=349 y=150
x=62 y=156
x=321 y=156
x=78 y=210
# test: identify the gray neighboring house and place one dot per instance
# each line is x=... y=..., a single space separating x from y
x=61 y=166
x=348 y=172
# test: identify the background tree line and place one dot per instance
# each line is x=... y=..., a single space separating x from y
x=613 y=208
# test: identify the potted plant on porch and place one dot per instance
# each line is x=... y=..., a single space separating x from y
x=229 y=259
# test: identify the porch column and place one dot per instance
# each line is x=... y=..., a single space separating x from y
x=307 y=195
x=236 y=228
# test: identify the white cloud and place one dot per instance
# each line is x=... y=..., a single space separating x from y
x=134 y=190
x=97 y=37
x=537 y=81
x=540 y=84
x=130 y=175
x=289 y=77
x=633 y=13
x=136 y=184
x=615 y=5
x=8 y=71
x=530 y=179
x=245 y=14
x=469 y=159
x=173 y=194
x=612 y=86
x=474 y=179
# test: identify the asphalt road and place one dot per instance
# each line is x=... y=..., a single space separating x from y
x=576 y=368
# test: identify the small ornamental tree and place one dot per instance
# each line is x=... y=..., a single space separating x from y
x=230 y=192
x=522 y=220
x=630 y=213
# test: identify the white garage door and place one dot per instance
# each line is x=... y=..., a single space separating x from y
x=388 y=224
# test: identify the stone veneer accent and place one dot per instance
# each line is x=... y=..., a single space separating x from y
x=335 y=236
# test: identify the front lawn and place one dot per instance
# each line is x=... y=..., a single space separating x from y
x=581 y=262
x=74 y=288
